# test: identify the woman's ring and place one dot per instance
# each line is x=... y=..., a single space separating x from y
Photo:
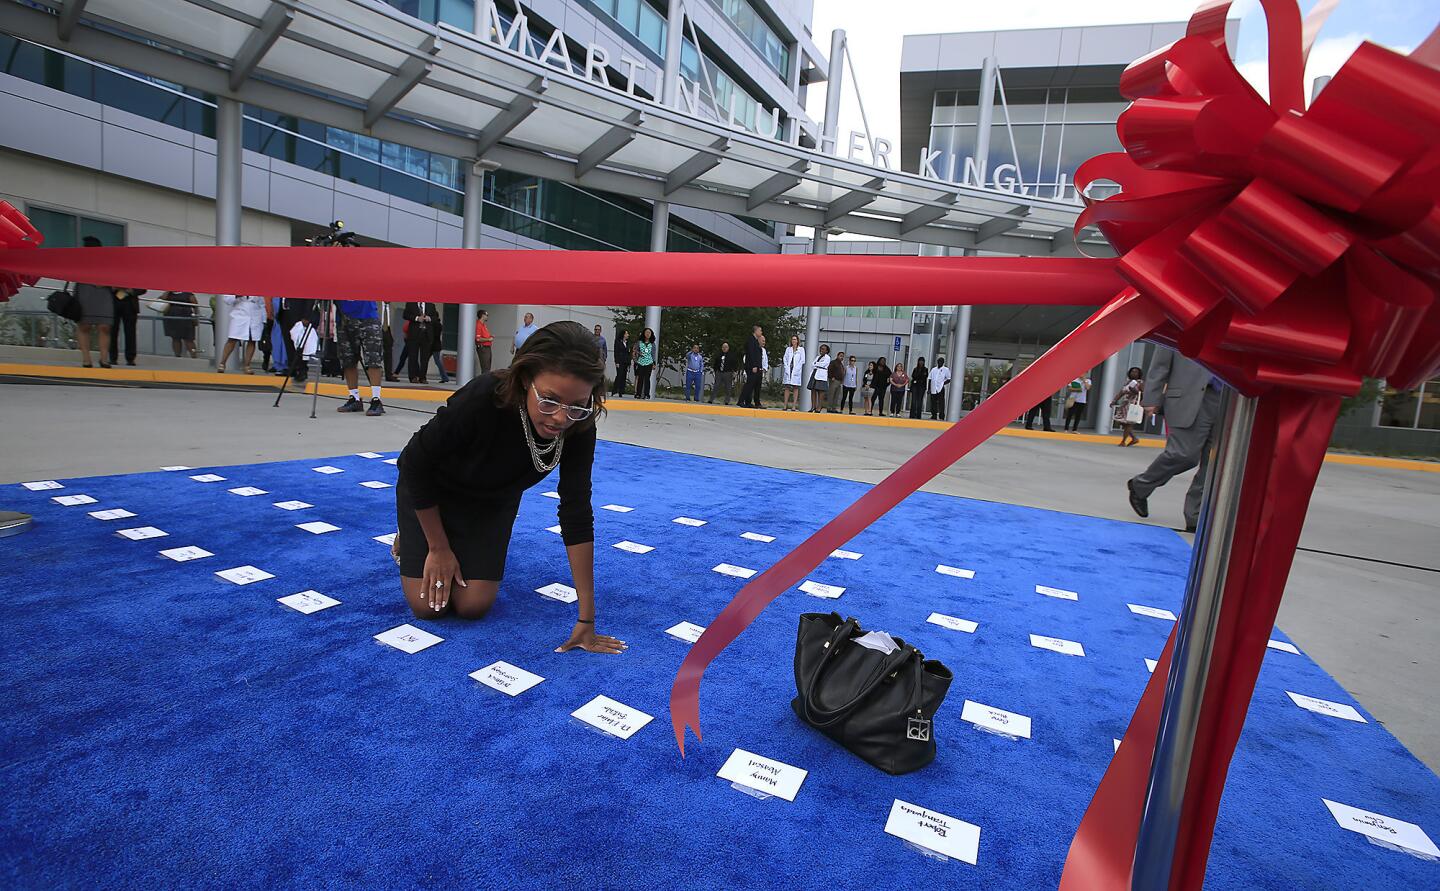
x=439 y=584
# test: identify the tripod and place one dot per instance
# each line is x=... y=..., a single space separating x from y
x=300 y=357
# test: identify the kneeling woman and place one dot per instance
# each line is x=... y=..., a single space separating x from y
x=462 y=475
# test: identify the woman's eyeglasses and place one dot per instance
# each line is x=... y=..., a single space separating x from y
x=551 y=406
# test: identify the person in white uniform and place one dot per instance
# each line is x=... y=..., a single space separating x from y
x=938 y=380
x=794 y=367
x=247 y=326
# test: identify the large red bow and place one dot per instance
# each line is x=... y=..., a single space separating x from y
x=16 y=232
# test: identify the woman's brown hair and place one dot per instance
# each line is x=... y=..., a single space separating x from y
x=559 y=348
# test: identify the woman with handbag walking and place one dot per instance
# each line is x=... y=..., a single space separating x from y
x=180 y=311
x=1128 y=411
x=462 y=476
x=820 y=379
x=97 y=311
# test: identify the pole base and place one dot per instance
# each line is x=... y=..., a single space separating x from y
x=13 y=523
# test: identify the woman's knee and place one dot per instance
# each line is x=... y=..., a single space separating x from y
x=475 y=599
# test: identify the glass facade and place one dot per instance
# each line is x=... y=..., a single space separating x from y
x=638 y=19
x=867 y=312
x=750 y=112
x=1417 y=409
x=753 y=27
x=65 y=230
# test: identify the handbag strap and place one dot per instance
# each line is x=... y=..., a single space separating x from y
x=830 y=716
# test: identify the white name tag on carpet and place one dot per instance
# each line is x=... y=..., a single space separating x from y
x=739 y=572
x=953 y=623
x=386 y=539
x=177 y=467
x=408 y=639
x=929 y=829
x=1150 y=665
x=327 y=469
x=244 y=575
x=1117 y=744
x=143 y=532
x=763 y=774
x=1061 y=593
x=955 y=571
x=392 y=460
x=190 y=552
x=375 y=484
x=557 y=591
x=367 y=454
x=1151 y=611
x=996 y=719
x=633 y=548
x=846 y=555
x=42 y=485
x=117 y=513
x=615 y=718
x=617 y=508
x=551 y=494
x=686 y=631
x=308 y=602
x=755 y=536
x=818 y=589
x=248 y=490
x=1283 y=647
x=208 y=478
x=293 y=505
x=555 y=529
x=506 y=678
x=689 y=521
x=1326 y=707
x=73 y=500
x=1059 y=645
x=318 y=527
x=1382 y=828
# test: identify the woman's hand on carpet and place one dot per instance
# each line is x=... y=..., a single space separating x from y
x=441 y=570
x=584 y=637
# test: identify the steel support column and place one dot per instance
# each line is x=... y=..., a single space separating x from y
x=1099 y=397
x=818 y=245
x=985 y=115
x=470 y=239
x=229 y=157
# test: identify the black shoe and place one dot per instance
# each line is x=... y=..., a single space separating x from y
x=351 y=405
x=1140 y=505
x=376 y=409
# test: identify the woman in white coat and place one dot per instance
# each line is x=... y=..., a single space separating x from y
x=794 y=367
x=247 y=323
x=819 y=379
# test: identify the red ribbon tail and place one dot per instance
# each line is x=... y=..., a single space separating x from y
x=1121 y=321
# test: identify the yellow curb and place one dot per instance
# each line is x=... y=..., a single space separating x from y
x=209 y=378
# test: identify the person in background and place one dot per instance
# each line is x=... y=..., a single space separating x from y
x=919 y=381
x=724 y=373
x=1076 y=394
x=622 y=361
x=419 y=338
x=764 y=370
x=387 y=342
x=358 y=341
x=694 y=373
x=867 y=385
x=180 y=313
x=484 y=341
x=838 y=372
x=880 y=384
x=749 y=392
x=820 y=380
x=247 y=323
x=938 y=380
x=646 y=352
x=287 y=313
x=1130 y=394
x=524 y=331
x=899 y=381
x=267 y=339
x=794 y=374
x=97 y=311
x=124 y=312
x=1192 y=397
x=1043 y=411
x=437 y=342
x=600 y=342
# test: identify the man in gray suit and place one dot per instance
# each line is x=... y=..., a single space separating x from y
x=1191 y=396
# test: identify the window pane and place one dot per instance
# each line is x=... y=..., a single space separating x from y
x=58 y=228
x=110 y=234
x=1430 y=406
x=1397 y=409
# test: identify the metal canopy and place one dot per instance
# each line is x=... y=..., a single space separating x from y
x=362 y=66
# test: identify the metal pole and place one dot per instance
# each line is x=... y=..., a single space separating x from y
x=985 y=116
x=820 y=239
x=229 y=156
x=660 y=213
x=470 y=239
x=1109 y=383
x=959 y=353
x=819 y=244
x=1194 y=643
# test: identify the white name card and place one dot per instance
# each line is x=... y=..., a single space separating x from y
x=386 y=539
x=190 y=552
x=1150 y=665
x=996 y=719
x=117 y=513
x=846 y=555
x=756 y=536
x=1283 y=647
x=934 y=831
x=308 y=602
x=686 y=631
x=1151 y=611
x=367 y=454
x=739 y=572
x=1326 y=707
x=763 y=774
x=42 y=485
x=1382 y=828
x=293 y=505
x=953 y=623
x=375 y=484
x=633 y=547
x=551 y=494
x=817 y=589
x=689 y=521
x=143 y=532
x=955 y=571
x=1059 y=645
x=557 y=591
x=244 y=575
x=617 y=508
x=248 y=490
x=173 y=467
x=73 y=500
x=318 y=527
x=507 y=678
x=392 y=461
x=555 y=529
x=1117 y=744
x=1060 y=593
x=615 y=718
x=208 y=478
x=327 y=469
x=408 y=639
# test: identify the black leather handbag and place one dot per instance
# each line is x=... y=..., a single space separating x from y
x=64 y=304
x=879 y=706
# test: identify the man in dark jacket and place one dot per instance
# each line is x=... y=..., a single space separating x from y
x=724 y=366
x=420 y=338
x=1191 y=397
x=750 y=393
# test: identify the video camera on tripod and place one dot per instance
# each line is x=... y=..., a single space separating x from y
x=336 y=234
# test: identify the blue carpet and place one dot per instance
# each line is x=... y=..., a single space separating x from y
x=163 y=727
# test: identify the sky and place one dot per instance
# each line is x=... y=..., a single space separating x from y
x=875 y=40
